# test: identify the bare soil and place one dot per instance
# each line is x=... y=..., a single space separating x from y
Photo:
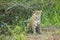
x=46 y=35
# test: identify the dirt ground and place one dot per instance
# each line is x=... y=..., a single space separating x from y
x=46 y=35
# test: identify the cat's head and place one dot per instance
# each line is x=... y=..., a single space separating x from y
x=38 y=12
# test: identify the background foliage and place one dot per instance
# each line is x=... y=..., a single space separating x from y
x=15 y=14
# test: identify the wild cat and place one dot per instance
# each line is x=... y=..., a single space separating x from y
x=35 y=21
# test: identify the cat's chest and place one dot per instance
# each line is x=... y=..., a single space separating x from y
x=37 y=17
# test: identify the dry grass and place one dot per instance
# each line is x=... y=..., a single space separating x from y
x=46 y=35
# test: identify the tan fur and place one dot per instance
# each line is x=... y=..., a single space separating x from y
x=35 y=20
